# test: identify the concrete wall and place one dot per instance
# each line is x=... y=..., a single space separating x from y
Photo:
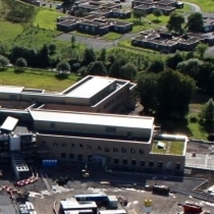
x=72 y=148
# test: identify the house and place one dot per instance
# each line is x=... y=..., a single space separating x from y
x=208 y=24
x=68 y=25
x=140 y=2
x=165 y=10
x=144 y=8
x=118 y=13
x=120 y=26
x=94 y=27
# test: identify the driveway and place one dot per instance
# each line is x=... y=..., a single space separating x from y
x=194 y=7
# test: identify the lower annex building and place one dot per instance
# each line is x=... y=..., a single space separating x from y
x=106 y=140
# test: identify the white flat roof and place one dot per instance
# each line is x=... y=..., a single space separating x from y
x=9 y=124
x=10 y=89
x=91 y=87
x=67 y=204
x=93 y=119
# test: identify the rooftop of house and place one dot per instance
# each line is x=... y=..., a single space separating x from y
x=120 y=10
x=142 y=6
x=168 y=147
x=69 y=22
x=164 y=7
x=11 y=89
x=89 y=6
x=168 y=39
x=208 y=21
x=118 y=22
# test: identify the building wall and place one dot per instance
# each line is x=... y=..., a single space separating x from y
x=93 y=129
x=14 y=104
x=119 y=154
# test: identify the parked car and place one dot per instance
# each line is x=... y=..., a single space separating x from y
x=59 y=6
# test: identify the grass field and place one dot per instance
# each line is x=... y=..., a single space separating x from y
x=9 y=31
x=36 y=79
x=206 y=5
x=111 y=36
x=46 y=19
x=172 y=147
x=162 y=20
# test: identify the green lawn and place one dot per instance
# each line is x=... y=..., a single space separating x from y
x=9 y=31
x=172 y=147
x=186 y=8
x=206 y=5
x=36 y=79
x=111 y=36
x=196 y=131
x=46 y=19
x=162 y=20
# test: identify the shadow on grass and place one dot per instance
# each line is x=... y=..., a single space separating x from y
x=62 y=76
x=156 y=21
x=2 y=69
x=19 y=70
x=175 y=126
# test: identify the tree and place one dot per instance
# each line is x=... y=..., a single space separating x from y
x=52 y=48
x=174 y=94
x=88 y=56
x=172 y=62
x=73 y=40
x=21 y=62
x=63 y=67
x=115 y=69
x=156 y=66
x=175 y=23
x=207 y=114
x=103 y=55
x=201 y=49
x=195 y=22
x=44 y=57
x=147 y=91
x=190 y=67
x=138 y=14
x=97 y=68
x=4 y=61
x=156 y=12
x=128 y=71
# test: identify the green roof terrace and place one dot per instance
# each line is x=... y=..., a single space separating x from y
x=169 y=145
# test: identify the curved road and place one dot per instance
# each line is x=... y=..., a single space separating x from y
x=98 y=44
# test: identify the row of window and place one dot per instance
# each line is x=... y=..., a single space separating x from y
x=124 y=162
x=106 y=149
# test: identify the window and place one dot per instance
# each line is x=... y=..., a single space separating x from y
x=55 y=144
x=125 y=161
x=160 y=164
x=52 y=125
x=132 y=151
x=89 y=158
x=79 y=157
x=151 y=163
x=98 y=148
x=115 y=149
x=141 y=151
x=106 y=149
x=81 y=146
x=177 y=166
x=142 y=163
x=63 y=145
x=71 y=156
x=110 y=129
x=72 y=145
x=124 y=150
x=116 y=161
x=63 y=155
x=134 y=162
